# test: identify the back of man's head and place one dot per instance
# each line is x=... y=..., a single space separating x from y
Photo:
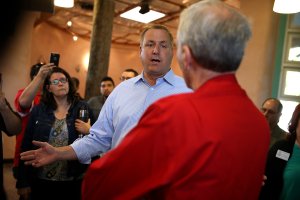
x=34 y=70
x=216 y=33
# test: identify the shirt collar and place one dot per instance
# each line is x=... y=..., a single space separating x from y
x=169 y=77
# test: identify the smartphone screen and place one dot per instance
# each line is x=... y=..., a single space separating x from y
x=54 y=58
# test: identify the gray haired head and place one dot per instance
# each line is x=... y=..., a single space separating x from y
x=216 y=34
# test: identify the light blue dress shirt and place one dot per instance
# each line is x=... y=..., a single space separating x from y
x=122 y=111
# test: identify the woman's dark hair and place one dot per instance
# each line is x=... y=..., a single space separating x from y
x=47 y=97
x=294 y=123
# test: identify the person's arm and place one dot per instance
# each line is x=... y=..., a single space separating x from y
x=31 y=90
x=11 y=120
x=47 y=154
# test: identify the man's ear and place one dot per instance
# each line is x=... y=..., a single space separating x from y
x=187 y=57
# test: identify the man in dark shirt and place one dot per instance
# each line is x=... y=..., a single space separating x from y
x=106 y=87
x=271 y=109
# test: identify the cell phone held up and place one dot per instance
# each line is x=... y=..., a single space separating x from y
x=54 y=58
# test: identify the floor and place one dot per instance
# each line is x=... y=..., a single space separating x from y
x=9 y=182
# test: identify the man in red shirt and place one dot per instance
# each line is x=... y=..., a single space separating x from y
x=25 y=99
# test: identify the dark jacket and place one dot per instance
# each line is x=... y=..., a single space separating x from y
x=274 y=170
x=38 y=128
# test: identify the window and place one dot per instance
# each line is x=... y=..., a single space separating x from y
x=289 y=87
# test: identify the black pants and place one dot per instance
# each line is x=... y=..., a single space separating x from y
x=56 y=190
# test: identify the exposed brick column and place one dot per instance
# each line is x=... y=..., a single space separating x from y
x=100 y=45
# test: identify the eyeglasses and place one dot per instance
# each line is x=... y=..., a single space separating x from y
x=56 y=81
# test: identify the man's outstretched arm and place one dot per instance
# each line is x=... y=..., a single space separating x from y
x=47 y=154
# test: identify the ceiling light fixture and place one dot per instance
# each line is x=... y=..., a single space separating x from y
x=64 y=3
x=134 y=14
x=286 y=6
x=69 y=23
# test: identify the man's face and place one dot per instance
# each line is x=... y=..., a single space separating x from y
x=271 y=113
x=106 y=88
x=127 y=75
x=156 y=52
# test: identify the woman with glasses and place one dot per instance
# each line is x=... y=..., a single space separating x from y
x=55 y=121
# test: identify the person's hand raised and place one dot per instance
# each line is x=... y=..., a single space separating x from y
x=44 y=70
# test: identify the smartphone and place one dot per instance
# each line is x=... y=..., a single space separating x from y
x=54 y=58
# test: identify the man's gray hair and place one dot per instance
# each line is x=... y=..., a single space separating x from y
x=216 y=33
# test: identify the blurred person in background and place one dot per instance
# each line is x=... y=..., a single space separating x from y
x=271 y=109
x=10 y=123
x=106 y=86
x=128 y=74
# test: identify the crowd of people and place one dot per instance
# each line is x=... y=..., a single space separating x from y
x=157 y=135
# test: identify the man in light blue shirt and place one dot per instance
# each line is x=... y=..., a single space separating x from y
x=125 y=105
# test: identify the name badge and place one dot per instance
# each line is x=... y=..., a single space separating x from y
x=283 y=155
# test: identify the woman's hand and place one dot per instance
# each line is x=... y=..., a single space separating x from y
x=82 y=127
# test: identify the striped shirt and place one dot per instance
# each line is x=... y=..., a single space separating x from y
x=122 y=111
